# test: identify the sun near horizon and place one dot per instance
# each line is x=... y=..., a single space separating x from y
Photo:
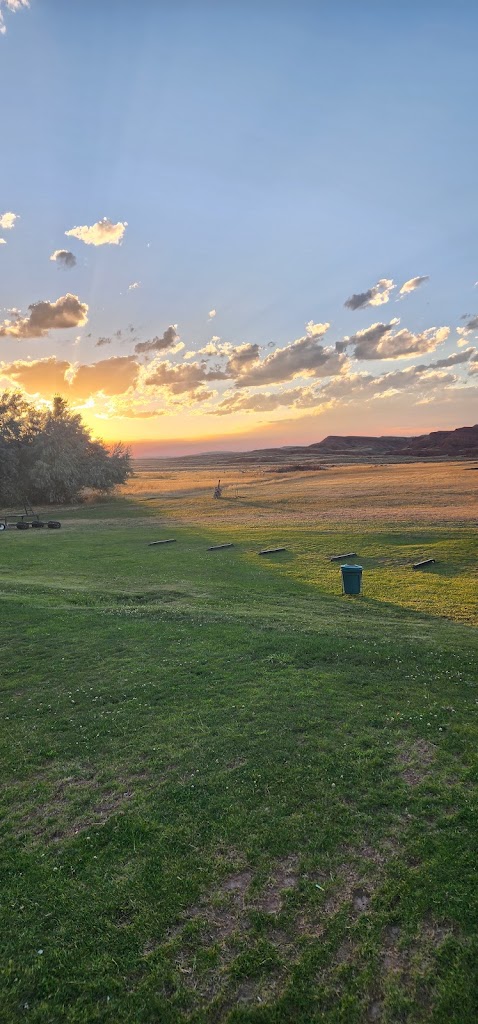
x=210 y=250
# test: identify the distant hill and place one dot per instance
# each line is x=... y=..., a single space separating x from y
x=461 y=443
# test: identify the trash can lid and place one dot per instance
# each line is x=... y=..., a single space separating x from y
x=351 y=568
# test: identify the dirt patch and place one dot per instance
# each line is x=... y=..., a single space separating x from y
x=348 y=878
x=233 y=766
x=283 y=878
x=402 y=959
x=394 y=960
x=360 y=900
x=415 y=759
x=345 y=954
x=435 y=933
x=74 y=805
x=258 y=992
x=238 y=884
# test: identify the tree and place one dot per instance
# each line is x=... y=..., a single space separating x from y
x=50 y=455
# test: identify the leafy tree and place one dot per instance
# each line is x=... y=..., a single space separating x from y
x=50 y=455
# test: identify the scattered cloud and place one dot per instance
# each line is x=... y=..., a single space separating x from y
x=216 y=347
x=104 y=232
x=240 y=359
x=130 y=411
x=185 y=379
x=134 y=285
x=375 y=296
x=380 y=341
x=168 y=340
x=418 y=381
x=304 y=357
x=413 y=284
x=456 y=357
x=66 y=312
x=471 y=325
x=7 y=220
x=267 y=402
x=12 y=6
x=2 y=241
x=315 y=330
x=212 y=314
x=64 y=258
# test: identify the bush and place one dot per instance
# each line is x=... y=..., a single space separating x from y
x=51 y=457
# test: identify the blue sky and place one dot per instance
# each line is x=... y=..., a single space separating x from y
x=270 y=160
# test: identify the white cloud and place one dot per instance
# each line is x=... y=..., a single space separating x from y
x=12 y=6
x=7 y=220
x=412 y=284
x=104 y=232
x=213 y=348
x=64 y=258
x=2 y=241
x=375 y=296
x=212 y=314
x=135 y=284
x=315 y=330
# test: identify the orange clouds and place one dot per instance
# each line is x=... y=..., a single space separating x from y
x=52 y=376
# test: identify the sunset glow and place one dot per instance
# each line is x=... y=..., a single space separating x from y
x=203 y=245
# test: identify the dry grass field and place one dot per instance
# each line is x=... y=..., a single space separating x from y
x=390 y=515
x=416 y=493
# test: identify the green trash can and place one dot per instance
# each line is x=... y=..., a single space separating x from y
x=351 y=579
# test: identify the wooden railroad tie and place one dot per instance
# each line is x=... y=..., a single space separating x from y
x=151 y=543
x=219 y=547
x=271 y=551
x=426 y=561
x=338 y=558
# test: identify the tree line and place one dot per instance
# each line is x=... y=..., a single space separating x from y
x=48 y=455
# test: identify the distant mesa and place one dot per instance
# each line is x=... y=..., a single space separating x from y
x=461 y=443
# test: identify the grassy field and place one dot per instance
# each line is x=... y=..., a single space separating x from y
x=228 y=793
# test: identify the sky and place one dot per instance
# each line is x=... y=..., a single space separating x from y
x=243 y=224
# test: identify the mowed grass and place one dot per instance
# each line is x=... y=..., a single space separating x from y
x=229 y=793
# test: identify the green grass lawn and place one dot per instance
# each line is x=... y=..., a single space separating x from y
x=229 y=793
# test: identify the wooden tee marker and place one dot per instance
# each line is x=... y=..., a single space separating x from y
x=271 y=551
x=426 y=561
x=338 y=558
x=153 y=542
x=219 y=547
